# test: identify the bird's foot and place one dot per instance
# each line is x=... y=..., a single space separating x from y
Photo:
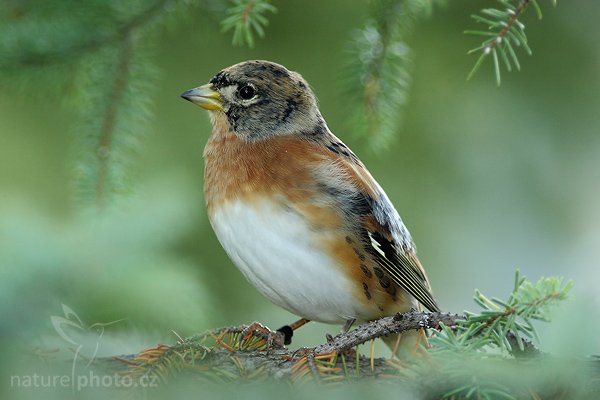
x=274 y=339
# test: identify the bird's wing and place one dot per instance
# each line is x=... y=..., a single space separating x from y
x=382 y=232
x=404 y=268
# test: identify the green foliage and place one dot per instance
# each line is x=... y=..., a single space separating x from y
x=378 y=73
x=105 y=72
x=501 y=320
x=114 y=118
x=247 y=18
x=504 y=34
x=498 y=333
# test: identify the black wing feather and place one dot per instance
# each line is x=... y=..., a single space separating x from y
x=402 y=269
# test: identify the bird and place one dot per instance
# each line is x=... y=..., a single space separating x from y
x=296 y=210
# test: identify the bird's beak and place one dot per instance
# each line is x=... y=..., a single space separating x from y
x=204 y=96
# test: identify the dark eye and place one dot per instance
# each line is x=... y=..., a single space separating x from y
x=246 y=92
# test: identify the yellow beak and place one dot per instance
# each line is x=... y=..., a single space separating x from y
x=204 y=96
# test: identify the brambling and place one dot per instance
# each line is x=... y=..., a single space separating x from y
x=295 y=209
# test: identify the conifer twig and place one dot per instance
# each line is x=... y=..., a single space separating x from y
x=504 y=33
x=378 y=72
x=246 y=18
x=500 y=36
x=108 y=122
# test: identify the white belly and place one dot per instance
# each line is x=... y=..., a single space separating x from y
x=282 y=258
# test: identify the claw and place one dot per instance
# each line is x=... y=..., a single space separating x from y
x=273 y=338
x=302 y=352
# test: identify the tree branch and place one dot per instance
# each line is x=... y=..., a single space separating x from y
x=240 y=351
x=385 y=326
x=237 y=352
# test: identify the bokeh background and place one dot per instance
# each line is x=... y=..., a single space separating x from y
x=488 y=179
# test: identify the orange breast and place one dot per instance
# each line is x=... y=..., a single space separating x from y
x=239 y=169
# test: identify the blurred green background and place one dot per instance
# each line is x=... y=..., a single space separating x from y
x=487 y=179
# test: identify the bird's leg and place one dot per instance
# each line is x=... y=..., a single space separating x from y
x=396 y=345
x=421 y=339
x=348 y=325
x=345 y=329
x=288 y=330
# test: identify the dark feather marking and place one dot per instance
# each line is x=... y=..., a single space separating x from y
x=263 y=102
x=220 y=80
x=385 y=282
x=366 y=270
x=278 y=71
x=291 y=106
x=233 y=116
x=348 y=153
x=360 y=255
x=341 y=149
x=366 y=290
x=334 y=191
x=330 y=147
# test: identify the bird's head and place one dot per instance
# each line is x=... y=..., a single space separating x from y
x=260 y=99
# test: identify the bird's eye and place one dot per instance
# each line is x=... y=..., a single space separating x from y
x=246 y=92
